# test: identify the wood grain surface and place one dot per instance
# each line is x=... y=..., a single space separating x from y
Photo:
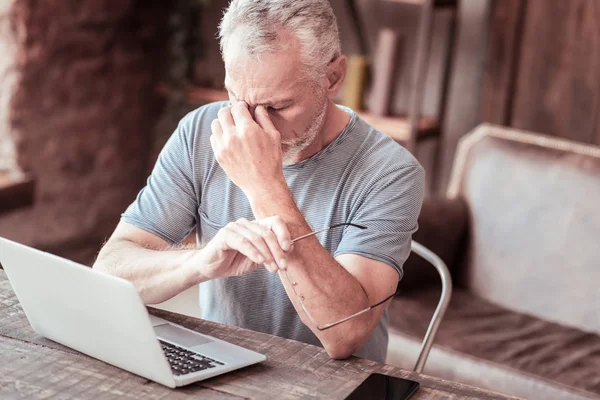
x=34 y=367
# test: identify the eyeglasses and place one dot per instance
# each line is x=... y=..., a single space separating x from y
x=293 y=285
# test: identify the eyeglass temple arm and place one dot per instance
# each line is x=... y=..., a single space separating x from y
x=328 y=228
x=327 y=326
x=442 y=270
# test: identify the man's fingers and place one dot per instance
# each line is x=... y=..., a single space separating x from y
x=263 y=119
x=216 y=143
x=262 y=241
x=282 y=232
x=217 y=136
x=239 y=243
x=279 y=227
x=226 y=121
x=216 y=128
x=276 y=250
x=240 y=239
x=279 y=256
x=250 y=232
x=241 y=115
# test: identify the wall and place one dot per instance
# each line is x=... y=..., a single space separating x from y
x=7 y=77
x=81 y=111
x=543 y=73
x=464 y=97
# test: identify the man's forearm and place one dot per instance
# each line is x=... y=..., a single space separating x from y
x=330 y=292
x=158 y=275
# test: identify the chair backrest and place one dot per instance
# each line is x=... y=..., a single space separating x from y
x=534 y=210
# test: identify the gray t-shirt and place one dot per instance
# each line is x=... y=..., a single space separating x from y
x=362 y=177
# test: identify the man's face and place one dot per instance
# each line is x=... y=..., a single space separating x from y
x=296 y=107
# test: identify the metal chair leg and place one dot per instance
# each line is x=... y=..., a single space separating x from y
x=441 y=268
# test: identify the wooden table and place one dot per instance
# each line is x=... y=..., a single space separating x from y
x=34 y=367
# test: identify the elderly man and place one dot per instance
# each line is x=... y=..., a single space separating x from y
x=275 y=163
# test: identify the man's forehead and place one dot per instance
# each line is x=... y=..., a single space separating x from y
x=272 y=77
x=280 y=65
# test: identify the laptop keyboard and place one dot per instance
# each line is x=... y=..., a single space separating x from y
x=184 y=362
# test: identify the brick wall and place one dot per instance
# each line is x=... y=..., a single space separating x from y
x=81 y=113
x=7 y=77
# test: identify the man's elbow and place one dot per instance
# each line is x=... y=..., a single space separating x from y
x=342 y=348
x=340 y=352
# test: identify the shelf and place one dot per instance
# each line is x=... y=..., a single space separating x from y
x=205 y=95
x=396 y=127
x=16 y=191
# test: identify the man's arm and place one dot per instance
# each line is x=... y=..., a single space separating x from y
x=157 y=270
x=250 y=154
x=332 y=289
x=160 y=271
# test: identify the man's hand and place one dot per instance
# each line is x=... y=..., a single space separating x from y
x=249 y=151
x=242 y=246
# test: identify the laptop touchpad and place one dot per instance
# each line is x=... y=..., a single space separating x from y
x=180 y=336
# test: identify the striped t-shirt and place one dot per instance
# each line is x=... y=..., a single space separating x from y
x=362 y=177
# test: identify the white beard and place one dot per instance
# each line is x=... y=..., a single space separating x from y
x=293 y=147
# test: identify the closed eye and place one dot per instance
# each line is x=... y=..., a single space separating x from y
x=269 y=108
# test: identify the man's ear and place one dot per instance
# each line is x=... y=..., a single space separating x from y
x=336 y=72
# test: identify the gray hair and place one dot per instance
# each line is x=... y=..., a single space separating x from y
x=312 y=22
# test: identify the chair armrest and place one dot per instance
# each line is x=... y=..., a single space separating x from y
x=443 y=225
x=446 y=281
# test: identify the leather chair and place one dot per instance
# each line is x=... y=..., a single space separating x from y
x=520 y=231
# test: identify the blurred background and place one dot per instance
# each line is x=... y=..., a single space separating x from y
x=90 y=90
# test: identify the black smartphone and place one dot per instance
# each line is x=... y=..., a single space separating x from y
x=384 y=387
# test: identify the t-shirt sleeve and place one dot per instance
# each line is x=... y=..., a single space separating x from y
x=389 y=210
x=167 y=205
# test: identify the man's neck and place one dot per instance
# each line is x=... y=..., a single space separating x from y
x=335 y=122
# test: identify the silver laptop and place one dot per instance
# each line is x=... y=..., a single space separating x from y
x=103 y=316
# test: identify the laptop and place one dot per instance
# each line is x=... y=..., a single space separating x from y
x=103 y=316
